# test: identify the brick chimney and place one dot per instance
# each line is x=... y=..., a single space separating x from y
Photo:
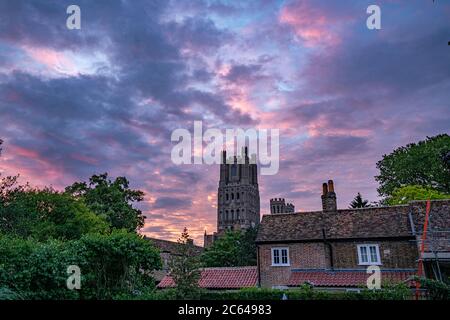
x=328 y=197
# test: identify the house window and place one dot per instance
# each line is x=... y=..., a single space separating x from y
x=369 y=254
x=280 y=256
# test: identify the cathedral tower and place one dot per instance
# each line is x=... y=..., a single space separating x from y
x=238 y=193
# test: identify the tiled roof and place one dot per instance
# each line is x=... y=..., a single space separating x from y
x=170 y=246
x=221 y=278
x=352 y=223
x=345 y=278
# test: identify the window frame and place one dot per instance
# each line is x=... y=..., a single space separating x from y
x=280 y=256
x=369 y=256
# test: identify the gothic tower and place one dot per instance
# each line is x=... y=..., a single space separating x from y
x=238 y=194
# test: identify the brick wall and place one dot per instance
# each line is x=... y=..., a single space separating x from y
x=399 y=254
x=394 y=254
x=301 y=255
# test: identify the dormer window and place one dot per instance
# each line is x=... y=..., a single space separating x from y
x=368 y=254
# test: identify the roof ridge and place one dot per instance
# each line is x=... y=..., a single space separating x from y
x=230 y=268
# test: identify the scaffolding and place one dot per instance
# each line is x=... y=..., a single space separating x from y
x=434 y=247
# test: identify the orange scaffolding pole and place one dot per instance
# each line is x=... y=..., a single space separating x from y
x=422 y=248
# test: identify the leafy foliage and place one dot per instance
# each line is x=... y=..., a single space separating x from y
x=109 y=264
x=8 y=294
x=436 y=290
x=359 y=202
x=305 y=292
x=423 y=164
x=185 y=268
x=233 y=249
x=43 y=232
x=112 y=200
x=45 y=214
x=120 y=262
x=406 y=194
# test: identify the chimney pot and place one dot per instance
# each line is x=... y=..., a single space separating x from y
x=330 y=186
x=324 y=189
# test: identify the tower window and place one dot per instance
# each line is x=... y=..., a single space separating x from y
x=233 y=170
x=232 y=196
x=237 y=195
x=237 y=214
x=232 y=214
x=226 y=196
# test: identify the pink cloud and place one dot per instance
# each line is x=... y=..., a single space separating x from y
x=54 y=60
x=310 y=23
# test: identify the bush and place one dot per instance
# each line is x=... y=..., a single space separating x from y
x=8 y=294
x=436 y=290
x=397 y=292
x=119 y=263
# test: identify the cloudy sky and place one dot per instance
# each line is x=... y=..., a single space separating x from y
x=107 y=97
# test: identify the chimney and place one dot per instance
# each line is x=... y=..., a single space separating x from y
x=329 y=203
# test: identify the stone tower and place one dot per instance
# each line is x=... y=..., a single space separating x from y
x=279 y=205
x=238 y=193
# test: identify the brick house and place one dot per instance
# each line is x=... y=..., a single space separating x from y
x=332 y=248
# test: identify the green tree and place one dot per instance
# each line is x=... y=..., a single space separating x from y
x=185 y=268
x=359 y=202
x=112 y=200
x=232 y=249
x=119 y=263
x=44 y=214
x=423 y=164
x=406 y=194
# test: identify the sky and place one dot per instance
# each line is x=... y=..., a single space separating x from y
x=107 y=97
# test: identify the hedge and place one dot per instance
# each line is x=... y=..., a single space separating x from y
x=397 y=292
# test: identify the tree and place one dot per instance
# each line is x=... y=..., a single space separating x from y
x=232 y=249
x=185 y=268
x=423 y=164
x=359 y=202
x=112 y=200
x=116 y=264
x=44 y=214
x=406 y=194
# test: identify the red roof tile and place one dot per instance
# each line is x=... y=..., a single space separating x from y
x=221 y=278
x=344 y=278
